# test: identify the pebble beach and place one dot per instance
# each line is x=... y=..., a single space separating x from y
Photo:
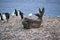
x=13 y=30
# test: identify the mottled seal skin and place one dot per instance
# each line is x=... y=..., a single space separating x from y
x=40 y=14
x=31 y=23
x=25 y=23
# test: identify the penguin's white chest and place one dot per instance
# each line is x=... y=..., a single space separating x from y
x=18 y=13
x=4 y=17
x=19 y=16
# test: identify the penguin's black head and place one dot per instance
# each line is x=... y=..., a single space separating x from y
x=7 y=15
x=16 y=13
x=0 y=14
x=21 y=14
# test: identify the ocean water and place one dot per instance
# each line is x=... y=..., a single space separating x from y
x=52 y=7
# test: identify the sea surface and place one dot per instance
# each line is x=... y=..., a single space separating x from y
x=52 y=7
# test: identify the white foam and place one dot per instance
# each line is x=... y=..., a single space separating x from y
x=30 y=14
x=58 y=16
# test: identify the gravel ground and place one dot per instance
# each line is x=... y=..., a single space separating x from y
x=13 y=30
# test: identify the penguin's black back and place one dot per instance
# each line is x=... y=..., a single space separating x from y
x=2 y=18
x=21 y=14
x=16 y=13
x=0 y=14
x=7 y=15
